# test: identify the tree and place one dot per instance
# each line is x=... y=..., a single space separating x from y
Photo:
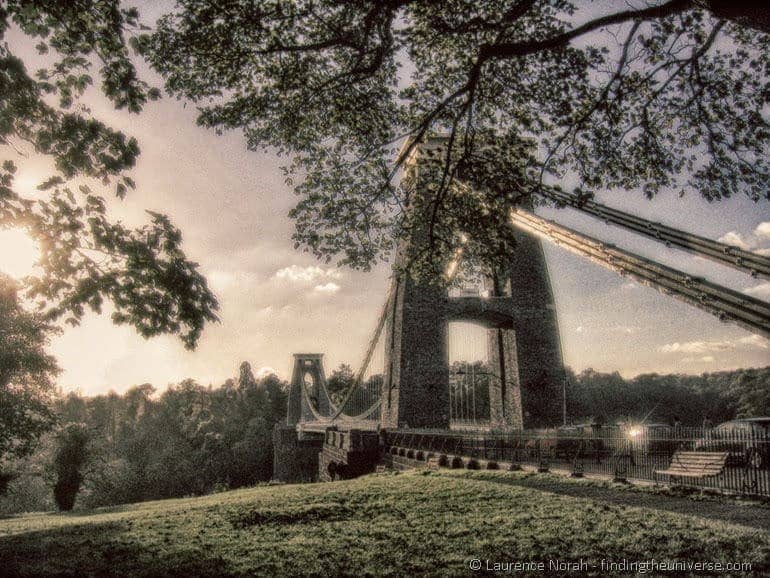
x=650 y=95
x=277 y=396
x=751 y=391
x=70 y=457
x=188 y=440
x=340 y=381
x=85 y=257
x=26 y=375
x=246 y=379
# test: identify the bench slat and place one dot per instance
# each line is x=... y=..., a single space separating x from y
x=699 y=458
x=699 y=461
x=695 y=464
x=687 y=467
x=684 y=472
x=690 y=467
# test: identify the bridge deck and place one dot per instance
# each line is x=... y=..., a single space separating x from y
x=344 y=425
x=371 y=425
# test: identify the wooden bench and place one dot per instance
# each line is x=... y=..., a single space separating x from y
x=693 y=465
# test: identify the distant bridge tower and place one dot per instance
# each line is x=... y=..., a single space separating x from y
x=307 y=380
x=524 y=352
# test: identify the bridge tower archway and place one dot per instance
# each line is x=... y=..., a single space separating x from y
x=307 y=388
x=522 y=331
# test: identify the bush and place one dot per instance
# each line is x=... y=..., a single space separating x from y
x=5 y=480
x=26 y=493
x=69 y=459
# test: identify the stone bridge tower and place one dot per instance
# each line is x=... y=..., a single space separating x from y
x=524 y=351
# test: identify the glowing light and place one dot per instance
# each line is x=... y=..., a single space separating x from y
x=635 y=432
x=18 y=253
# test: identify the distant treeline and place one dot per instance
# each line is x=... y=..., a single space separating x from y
x=188 y=440
x=191 y=440
x=692 y=399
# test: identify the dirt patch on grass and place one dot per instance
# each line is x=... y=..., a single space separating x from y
x=306 y=514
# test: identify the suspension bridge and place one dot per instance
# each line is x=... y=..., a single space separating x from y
x=406 y=381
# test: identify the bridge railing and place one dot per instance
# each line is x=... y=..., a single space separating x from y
x=622 y=452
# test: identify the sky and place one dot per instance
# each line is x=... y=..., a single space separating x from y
x=232 y=205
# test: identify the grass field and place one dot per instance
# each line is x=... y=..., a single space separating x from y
x=398 y=525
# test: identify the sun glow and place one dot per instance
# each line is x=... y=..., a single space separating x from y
x=18 y=253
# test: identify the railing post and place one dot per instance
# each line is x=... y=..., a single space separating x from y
x=542 y=462
x=577 y=466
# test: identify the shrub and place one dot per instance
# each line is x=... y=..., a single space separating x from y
x=70 y=457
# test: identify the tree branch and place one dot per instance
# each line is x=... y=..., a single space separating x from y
x=512 y=49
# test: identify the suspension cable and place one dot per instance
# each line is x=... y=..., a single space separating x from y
x=725 y=303
x=747 y=261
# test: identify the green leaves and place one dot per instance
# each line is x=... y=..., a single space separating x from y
x=26 y=374
x=661 y=97
x=86 y=259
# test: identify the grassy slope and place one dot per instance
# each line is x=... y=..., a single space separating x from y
x=398 y=525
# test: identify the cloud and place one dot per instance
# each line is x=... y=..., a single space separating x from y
x=763 y=230
x=704 y=359
x=756 y=241
x=762 y=291
x=598 y=330
x=220 y=280
x=310 y=274
x=624 y=329
x=696 y=347
x=233 y=281
x=733 y=238
x=755 y=341
x=327 y=288
x=701 y=347
x=264 y=371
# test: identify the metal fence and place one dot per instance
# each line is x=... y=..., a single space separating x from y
x=621 y=452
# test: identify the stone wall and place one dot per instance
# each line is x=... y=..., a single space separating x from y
x=295 y=456
x=348 y=454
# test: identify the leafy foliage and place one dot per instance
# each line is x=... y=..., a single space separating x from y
x=26 y=375
x=85 y=257
x=189 y=440
x=694 y=399
x=340 y=381
x=70 y=457
x=670 y=95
